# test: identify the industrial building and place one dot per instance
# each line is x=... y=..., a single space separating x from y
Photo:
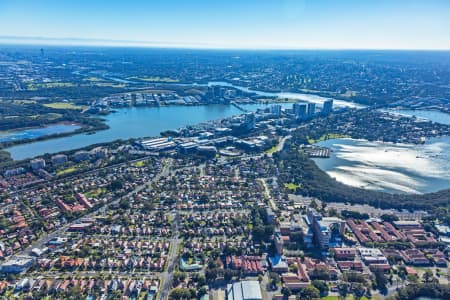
x=17 y=264
x=244 y=290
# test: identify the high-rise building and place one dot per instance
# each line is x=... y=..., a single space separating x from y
x=299 y=110
x=311 y=109
x=327 y=107
x=325 y=229
x=217 y=91
x=249 y=120
x=59 y=159
x=38 y=163
x=275 y=109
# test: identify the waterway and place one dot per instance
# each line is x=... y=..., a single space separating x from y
x=33 y=133
x=394 y=168
x=286 y=95
x=431 y=115
x=135 y=122
x=388 y=167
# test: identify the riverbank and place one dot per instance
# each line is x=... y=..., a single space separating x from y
x=430 y=115
x=83 y=128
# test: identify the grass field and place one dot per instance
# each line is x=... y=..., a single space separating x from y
x=63 y=105
x=67 y=171
x=110 y=84
x=348 y=94
x=350 y=297
x=93 y=79
x=24 y=101
x=153 y=79
x=272 y=150
x=327 y=137
x=285 y=100
x=292 y=186
x=95 y=193
x=139 y=164
x=49 y=85
x=157 y=91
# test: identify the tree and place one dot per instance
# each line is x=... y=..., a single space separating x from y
x=321 y=285
x=124 y=204
x=358 y=290
x=74 y=292
x=380 y=280
x=202 y=291
x=258 y=233
x=116 y=185
x=179 y=293
x=309 y=293
x=412 y=278
x=286 y=291
x=228 y=274
x=354 y=277
x=275 y=277
x=343 y=289
x=201 y=280
x=297 y=238
x=178 y=277
x=210 y=274
x=428 y=275
x=321 y=274
x=389 y=218
x=332 y=212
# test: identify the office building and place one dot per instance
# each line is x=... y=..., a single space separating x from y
x=249 y=121
x=311 y=109
x=275 y=109
x=299 y=110
x=81 y=156
x=59 y=159
x=38 y=163
x=327 y=107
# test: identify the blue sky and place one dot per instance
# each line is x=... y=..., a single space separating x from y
x=335 y=24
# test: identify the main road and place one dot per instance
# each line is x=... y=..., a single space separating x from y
x=167 y=276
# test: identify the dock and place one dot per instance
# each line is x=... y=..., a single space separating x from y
x=239 y=106
x=318 y=152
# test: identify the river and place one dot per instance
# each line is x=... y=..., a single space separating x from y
x=393 y=168
x=138 y=122
x=135 y=122
x=431 y=115
x=282 y=95
x=388 y=167
x=32 y=133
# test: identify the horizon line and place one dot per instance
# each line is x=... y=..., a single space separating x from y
x=90 y=42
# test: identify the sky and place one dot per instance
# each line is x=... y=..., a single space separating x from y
x=253 y=24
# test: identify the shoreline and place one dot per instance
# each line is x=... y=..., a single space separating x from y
x=83 y=129
x=86 y=128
